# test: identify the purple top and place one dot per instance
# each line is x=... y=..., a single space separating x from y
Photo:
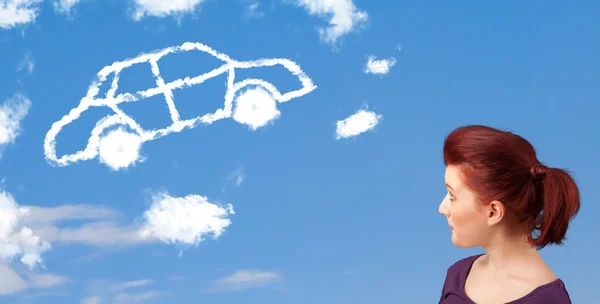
x=453 y=291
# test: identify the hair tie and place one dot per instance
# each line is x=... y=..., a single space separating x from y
x=538 y=171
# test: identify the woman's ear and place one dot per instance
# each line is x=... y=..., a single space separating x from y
x=494 y=212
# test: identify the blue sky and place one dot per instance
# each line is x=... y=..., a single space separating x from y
x=326 y=207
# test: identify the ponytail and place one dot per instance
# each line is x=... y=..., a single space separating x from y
x=560 y=203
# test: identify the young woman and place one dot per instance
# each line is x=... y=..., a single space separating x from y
x=503 y=199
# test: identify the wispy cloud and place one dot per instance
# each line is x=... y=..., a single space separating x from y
x=120 y=293
x=252 y=11
x=68 y=212
x=101 y=226
x=357 y=123
x=238 y=175
x=242 y=280
x=161 y=8
x=12 y=112
x=47 y=280
x=12 y=282
x=131 y=284
x=343 y=16
x=185 y=220
x=27 y=63
x=99 y=234
x=15 y=13
x=379 y=66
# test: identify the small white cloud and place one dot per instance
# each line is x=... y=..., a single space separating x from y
x=255 y=108
x=12 y=113
x=238 y=175
x=120 y=149
x=357 y=123
x=244 y=279
x=187 y=220
x=14 y=13
x=161 y=8
x=17 y=240
x=65 y=6
x=343 y=17
x=379 y=66
x=132 y=284
x=27 y=63
x=252 y=10
x=91 y=300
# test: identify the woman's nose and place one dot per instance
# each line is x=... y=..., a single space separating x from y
x=443 y=209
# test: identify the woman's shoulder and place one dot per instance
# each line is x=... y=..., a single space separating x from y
x=456 y=276
x=554 y=292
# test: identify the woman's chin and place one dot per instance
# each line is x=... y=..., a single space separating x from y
x=458 y=243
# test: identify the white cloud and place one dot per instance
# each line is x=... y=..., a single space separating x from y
x=357 y=123
x=26 y=63
x=238 y=175
x=379 y=66
x=18 y=12
x=11 y=282
x=65 y=6
x=186 y=220
x=12 y=113
x=244 y=279
x=161 y=8
x=343 y=17
x=255 y=108
x=17 y=240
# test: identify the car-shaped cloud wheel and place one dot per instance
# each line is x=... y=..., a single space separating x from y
x=253 y=102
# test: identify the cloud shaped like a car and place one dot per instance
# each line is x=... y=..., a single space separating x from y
x=117 y=138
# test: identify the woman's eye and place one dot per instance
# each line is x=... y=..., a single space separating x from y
x=450 y=197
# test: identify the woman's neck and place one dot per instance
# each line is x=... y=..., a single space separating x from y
x=506 y=253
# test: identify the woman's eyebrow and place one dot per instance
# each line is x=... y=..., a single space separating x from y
x=449 y=187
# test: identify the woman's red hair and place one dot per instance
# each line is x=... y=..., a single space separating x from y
x=503 y=166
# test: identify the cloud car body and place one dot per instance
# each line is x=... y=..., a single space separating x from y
x=119 y=118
